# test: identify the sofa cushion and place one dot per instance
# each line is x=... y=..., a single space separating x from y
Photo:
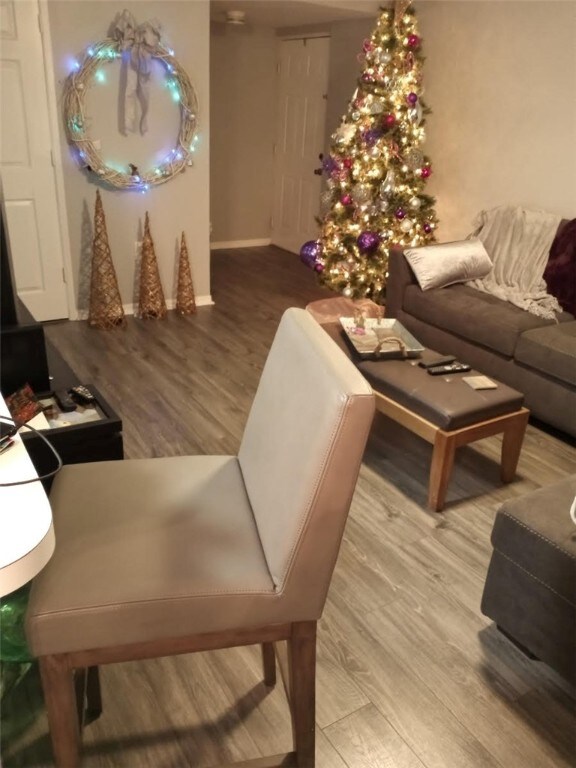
x=436 y=266
x=560 y=272
x=551 y=350
x=470 y=314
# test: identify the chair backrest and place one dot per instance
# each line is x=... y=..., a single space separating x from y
x=301 y=453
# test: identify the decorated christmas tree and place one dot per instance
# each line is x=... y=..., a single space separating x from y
x=376 y=169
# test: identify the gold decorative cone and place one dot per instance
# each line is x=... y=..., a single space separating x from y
x=185 y=300
x=106 y=309
x=152 y=303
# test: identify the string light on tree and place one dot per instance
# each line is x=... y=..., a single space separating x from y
x=376 y=168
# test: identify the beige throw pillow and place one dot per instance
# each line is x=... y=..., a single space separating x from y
x=436 y=266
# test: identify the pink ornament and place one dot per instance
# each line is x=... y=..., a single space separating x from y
x=426 y=171
x=412 y=98
x=346 y=199
x=413 y=41
x=347 y=162
x=318 y=267
x=389 y=121
x=367 y=46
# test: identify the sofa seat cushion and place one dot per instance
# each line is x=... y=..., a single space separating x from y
x=470 y=314
x=551 y=350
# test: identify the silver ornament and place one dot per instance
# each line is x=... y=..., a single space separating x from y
x=375 y=152
x=383 y=205
x=355 y=116
x=376 y=106
x=361 y=194
x=384 y=57
x=406 y=225
x=388 y=185
x=415 y=203
x=347 y=292
x=415 y=114
x=414 y=158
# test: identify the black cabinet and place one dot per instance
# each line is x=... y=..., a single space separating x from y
x=98 y=440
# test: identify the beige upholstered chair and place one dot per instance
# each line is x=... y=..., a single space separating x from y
x=156 y=557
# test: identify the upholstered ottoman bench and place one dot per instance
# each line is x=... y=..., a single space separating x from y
x=530 y=590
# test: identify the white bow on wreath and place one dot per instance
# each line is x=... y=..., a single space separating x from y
x=138 y=44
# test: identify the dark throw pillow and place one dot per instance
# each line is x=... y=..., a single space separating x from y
x=560 y=272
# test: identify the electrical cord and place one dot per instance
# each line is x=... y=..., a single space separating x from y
x=38 y=478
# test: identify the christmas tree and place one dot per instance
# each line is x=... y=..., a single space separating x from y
x=376 y=168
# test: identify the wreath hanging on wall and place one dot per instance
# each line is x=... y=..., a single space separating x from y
x=137 y=46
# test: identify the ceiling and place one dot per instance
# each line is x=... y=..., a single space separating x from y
x=293 y=13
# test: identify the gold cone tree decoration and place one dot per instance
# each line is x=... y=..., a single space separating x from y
x=152 y=303
x=185 y=300
x=106 y=309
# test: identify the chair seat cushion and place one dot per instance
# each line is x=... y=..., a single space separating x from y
x=119 y=576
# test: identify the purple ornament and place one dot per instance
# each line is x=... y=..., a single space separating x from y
x=412 y=98
x=346 y=199
x=310 y=253
x=399 y=213
x=318 y=267
x=371 y=136
x=329 y=165
x=427 y=228
x=368 y=242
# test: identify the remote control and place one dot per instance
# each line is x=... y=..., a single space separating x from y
x=438 y=361
x=65 y=402
x=440 y=370
x=82 y=394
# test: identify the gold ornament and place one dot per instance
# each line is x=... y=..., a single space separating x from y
x=185 y=301
x=106 y=309
x=152 y=303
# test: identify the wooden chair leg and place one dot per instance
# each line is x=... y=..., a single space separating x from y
x=93 y=694
x=60 y=700
x=269 y=663
x=302 y=671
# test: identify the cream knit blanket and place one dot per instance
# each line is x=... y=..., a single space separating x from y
x=518 y=242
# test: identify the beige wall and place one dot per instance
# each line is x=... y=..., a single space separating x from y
x=181 y=204
x=242 y=108
x=501 y=79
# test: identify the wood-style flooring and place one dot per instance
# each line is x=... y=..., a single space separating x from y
x=410 y=673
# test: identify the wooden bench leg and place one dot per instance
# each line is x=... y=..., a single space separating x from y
x=441 y=469
x=512 y=445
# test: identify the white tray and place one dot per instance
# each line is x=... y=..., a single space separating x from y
x=381 y=338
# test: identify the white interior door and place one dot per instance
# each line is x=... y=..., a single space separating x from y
x=302 y=89
x=28 y=178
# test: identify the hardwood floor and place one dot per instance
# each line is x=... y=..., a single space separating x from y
x=410 y=673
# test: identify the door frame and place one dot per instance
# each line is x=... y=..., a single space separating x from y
x=57 y=164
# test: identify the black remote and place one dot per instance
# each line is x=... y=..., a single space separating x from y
x=65 y=402
x=438 y=361
x=82 y=394
x=441 y=370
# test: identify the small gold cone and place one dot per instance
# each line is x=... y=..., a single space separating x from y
x=152 y=303
x=106 y=309
x=185 y=300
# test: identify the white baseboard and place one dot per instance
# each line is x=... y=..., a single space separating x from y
x=130 y=309
x=239 y=244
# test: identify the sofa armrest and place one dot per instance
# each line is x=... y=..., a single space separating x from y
x=400 y=276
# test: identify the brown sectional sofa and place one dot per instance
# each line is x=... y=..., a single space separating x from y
x=531 y=354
